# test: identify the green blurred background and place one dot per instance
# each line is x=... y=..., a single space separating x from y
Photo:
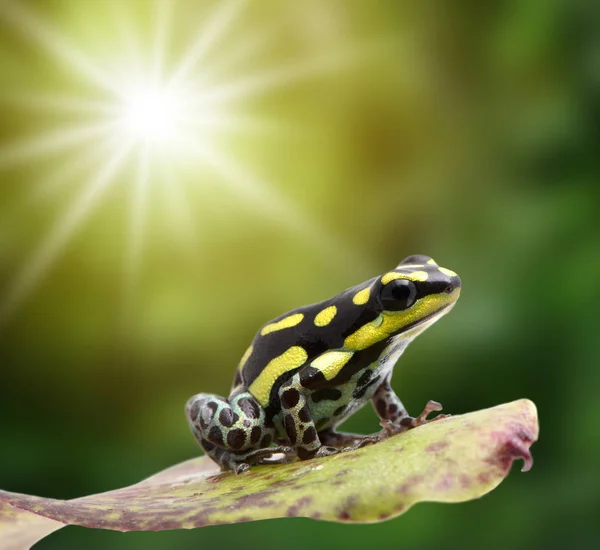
x=370 y=130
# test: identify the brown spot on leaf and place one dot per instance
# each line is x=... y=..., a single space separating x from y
x=465 y=481
x=260 y=500
x=445 y=483
x=344 y=511
x=294 y=509
x=283 y=483
x=408 y=485
x=484 y=478
x=436 y=447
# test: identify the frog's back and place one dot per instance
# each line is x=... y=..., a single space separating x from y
x=303 y=333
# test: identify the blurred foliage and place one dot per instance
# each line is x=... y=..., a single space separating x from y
x=468 y=132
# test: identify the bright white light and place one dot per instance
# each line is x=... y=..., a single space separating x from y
x=151 y=114
x=169 y=118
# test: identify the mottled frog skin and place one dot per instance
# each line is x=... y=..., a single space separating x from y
x=308 y=370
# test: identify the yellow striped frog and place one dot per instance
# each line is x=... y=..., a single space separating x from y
x=308 y=370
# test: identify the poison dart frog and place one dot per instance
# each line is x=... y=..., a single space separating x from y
x=308 y=370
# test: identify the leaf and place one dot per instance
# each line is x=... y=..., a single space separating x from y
x=451 y=460
x=20 y=529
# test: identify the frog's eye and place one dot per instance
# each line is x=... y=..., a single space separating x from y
x=398 y=295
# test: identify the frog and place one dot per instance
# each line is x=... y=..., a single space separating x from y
x=310 y=369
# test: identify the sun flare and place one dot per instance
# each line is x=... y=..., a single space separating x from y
x=147 y=110
x=151 y=114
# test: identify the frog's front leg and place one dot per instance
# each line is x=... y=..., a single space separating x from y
x=393 y=415
x=298 y=422
x=233 y=432
x=387 y=404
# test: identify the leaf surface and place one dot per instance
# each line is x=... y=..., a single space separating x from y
x=450 y=460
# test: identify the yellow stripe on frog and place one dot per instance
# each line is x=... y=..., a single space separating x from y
x=286 y=322
x=291 y=359
x=448 y=272
x=245 y=357
x=391 y=322
x=362 y=296
x=411 y=276
x=331 y=363
x=325 y=316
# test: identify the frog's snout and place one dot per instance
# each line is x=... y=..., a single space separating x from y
x=453 y=284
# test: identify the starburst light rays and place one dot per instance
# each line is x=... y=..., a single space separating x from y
x=52 y=245
x=153 y=111
x=55 y=43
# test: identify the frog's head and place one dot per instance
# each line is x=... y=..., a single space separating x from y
x=408 y=299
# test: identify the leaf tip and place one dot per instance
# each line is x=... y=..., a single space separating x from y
x=523 y=433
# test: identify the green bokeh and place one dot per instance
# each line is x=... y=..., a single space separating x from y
x=465 y=131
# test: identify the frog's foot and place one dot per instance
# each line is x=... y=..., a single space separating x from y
x=406 y=423
x=265 y=456
x=332 y=438
x=242 y=462
x=238 y=467
x=325 y=450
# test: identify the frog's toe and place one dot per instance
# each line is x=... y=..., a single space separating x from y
x=370 y=439
x=409 y=422
x=240 y=467
x=431 y=406
x=325 y=450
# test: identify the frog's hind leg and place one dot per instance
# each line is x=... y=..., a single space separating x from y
x=233 y=432
x=298 y=422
